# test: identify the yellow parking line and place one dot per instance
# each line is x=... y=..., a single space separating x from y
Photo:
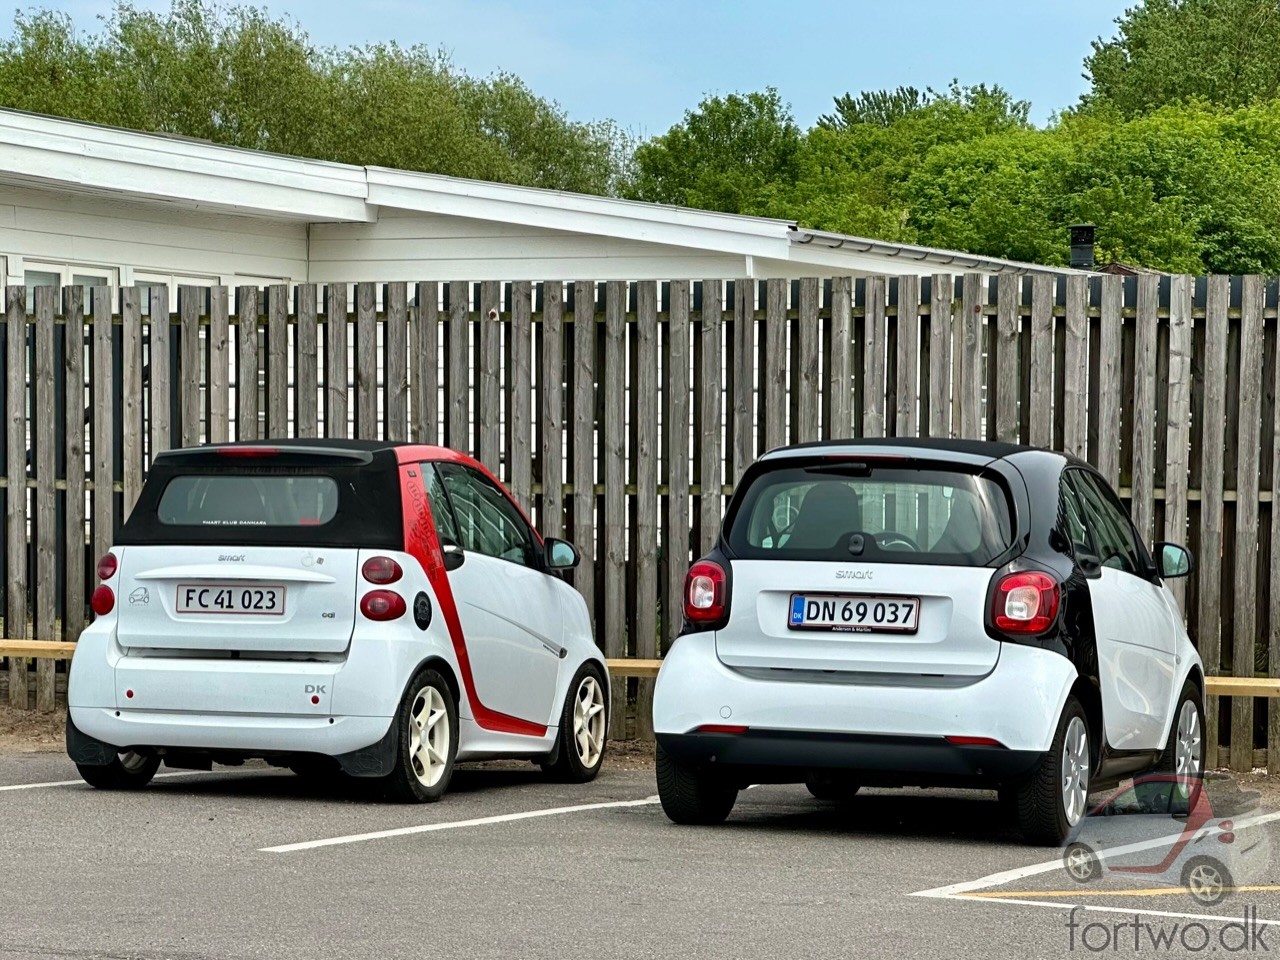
x=1086 y=892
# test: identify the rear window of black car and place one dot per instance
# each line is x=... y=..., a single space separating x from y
x=875 y=514
x=227 y=500
x=271 y=503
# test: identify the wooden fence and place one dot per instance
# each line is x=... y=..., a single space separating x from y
x=621 y=415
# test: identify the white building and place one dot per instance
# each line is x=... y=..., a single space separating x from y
x=98 y=205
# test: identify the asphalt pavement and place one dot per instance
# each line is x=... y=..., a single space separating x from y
x=254 y=862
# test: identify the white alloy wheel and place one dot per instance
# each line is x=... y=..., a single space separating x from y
x=588 y=721
x=1188 y=748
x=429 y=736
x=1205 y=882
x=1075 y=770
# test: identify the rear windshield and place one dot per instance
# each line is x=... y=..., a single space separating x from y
x=232 y=501
x=882 y=515
x=282 y=502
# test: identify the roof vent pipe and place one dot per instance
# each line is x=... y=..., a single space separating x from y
x=1082 y=246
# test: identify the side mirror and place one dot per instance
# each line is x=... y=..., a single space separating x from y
x=453 y=555
x=1173 y=560
x=1089 y=564
x=560 y=554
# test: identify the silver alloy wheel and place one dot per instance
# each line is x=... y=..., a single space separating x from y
x=588 y=721
x=132 y=761
x=429 y=736
x=1080 y=863
x=1188 y=748
x=1075 y=770
x=1205 y=882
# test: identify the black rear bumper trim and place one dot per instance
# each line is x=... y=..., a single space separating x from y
x=789 y=756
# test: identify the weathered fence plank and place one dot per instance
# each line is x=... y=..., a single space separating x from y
x=458 y=383
x=131 y=395
x=774 y=382
x=73 y=547
x=645 y=451
x=873 y=360
x=277 y=360
x=1144 y=406
x=488 y=372
x=1178 y=435
x=366 y=361
x=16 y=512
x=1075 y=395
x=941 y=291
x=614 y=453
x=1008 y=328
x=1110 y=354
x=1244 y=618
x=306 y=410
x=1213 y=429
x=584 y=438
x=190 y=374
x=43 y=411
x=520 y=393
x=710 y=502
x=104 y=418
x=551 y=410
x=971 y=366
x=158 y=410
x=1041 y=361
x=336 y=411
x=247 y=364
x=219 y=352
x=424 y=364
x=907 y=424
x=395 y=376
x=676 y=457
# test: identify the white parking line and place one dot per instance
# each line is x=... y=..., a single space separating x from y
x=454 y=825
x=81 y=783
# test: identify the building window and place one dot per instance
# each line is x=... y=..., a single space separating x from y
x=38 y=273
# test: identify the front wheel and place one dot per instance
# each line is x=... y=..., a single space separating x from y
x=692 y=796
x=1052 y=799
x=130 y=770
x=426 y=742
x=1184 y=753
x=584 y=722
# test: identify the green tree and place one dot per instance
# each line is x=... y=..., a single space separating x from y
x=726 y=155
x=1176 y=51
x=237 y=76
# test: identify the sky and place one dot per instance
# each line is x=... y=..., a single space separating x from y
x=643 y=64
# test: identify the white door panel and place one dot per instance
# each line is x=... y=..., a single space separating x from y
x=1136 y=638
x=511 y=619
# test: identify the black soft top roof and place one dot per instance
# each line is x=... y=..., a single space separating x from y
x=995 y=449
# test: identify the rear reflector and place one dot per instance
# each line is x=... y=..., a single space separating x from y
x=103 y=601
x=247 y=451
x=974 y=742
x=107 y=566
x=720 y=728
x=382 y=605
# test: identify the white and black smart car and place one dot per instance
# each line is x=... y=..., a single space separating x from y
x=933 y=612
x=380 y=609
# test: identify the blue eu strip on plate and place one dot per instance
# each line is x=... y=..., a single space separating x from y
x=797 y=610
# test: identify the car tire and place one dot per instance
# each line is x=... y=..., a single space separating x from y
x=1081 y=863
x=1053 y=799
x=426 y=724
x=1185 y=751
x=129 y=770
x=832 y=789
x=1207 y=880
x=584 y=727
x=692 y=797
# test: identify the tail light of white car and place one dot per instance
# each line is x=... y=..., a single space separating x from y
x=382 y=604
x=1024 y=603
x=706 y=596
x=103 y=600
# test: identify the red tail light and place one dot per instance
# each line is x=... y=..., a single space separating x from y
x=103 y=601
x=1227 y=835
x=107 y=566
x=382 y=605
x=1025 y=602
x=705 y=593
x=381 y=570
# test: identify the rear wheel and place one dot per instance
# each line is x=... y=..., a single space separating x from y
x=1206 y=880
x=1052 y=800
x=427 y=740
x=1081 y=863
x=691 y=796
x=584 y=722
x=1184 y=753
x=130 y=770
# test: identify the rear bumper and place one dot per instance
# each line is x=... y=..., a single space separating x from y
x=785 y=756
x=896 y=724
